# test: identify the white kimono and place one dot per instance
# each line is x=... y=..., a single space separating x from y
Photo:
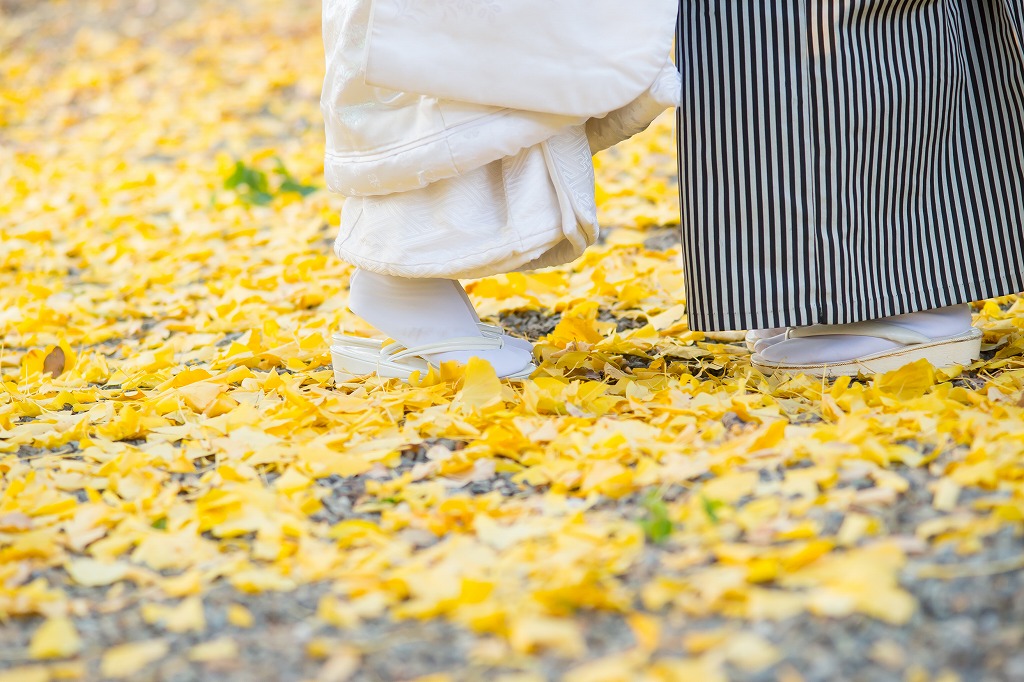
x=461 y=131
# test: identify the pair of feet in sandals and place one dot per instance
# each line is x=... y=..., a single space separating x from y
x=433 y=321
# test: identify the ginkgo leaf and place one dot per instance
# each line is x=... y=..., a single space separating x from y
x=27 y=673
x=480 y=385
x=93 y=573
x=239 y=616
x=126 y=660
x=911 y=381
x=220 y=649
x=341 y=666
x=55 y=638
x=187 y=616
x=533 y=632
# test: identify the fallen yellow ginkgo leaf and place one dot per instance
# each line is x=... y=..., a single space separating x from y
x=125 y=660
x=55 y=638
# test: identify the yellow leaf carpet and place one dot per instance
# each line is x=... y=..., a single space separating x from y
x=186 y=494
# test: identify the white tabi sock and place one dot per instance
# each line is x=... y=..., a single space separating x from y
x=420 y=311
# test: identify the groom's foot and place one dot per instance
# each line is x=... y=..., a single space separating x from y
x=942 y=336
x=762 y=338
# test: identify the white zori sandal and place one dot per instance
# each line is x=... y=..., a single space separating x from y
x=355 y=356
x=906 y=346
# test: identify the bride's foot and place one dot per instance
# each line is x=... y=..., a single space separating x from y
x=513 y=341
x=943 y=336
x=424 y=312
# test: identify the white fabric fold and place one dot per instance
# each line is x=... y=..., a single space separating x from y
x=565 y=57
x=622 y=124
x=383 y=140
x=531 y=210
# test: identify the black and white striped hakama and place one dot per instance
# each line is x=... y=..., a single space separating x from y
x=845 y=160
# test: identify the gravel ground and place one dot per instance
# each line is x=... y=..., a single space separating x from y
x=972 y=627
x=969 y=628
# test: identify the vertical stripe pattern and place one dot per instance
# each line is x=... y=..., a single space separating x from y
x=845 y=160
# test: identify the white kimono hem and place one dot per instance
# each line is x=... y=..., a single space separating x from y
x=531 y=210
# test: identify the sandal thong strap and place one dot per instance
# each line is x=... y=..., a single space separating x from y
x=362 y=341
x=394 y=352
x=875 y=328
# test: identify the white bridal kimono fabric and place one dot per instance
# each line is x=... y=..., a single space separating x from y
x=461 y=131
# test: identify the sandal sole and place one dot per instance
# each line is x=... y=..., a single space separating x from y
x=363 y=343
x=349 y=366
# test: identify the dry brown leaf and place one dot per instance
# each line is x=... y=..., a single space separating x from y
x=53 y=364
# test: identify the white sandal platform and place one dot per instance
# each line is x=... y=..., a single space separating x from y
x=944 y=352
x=394 y=361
